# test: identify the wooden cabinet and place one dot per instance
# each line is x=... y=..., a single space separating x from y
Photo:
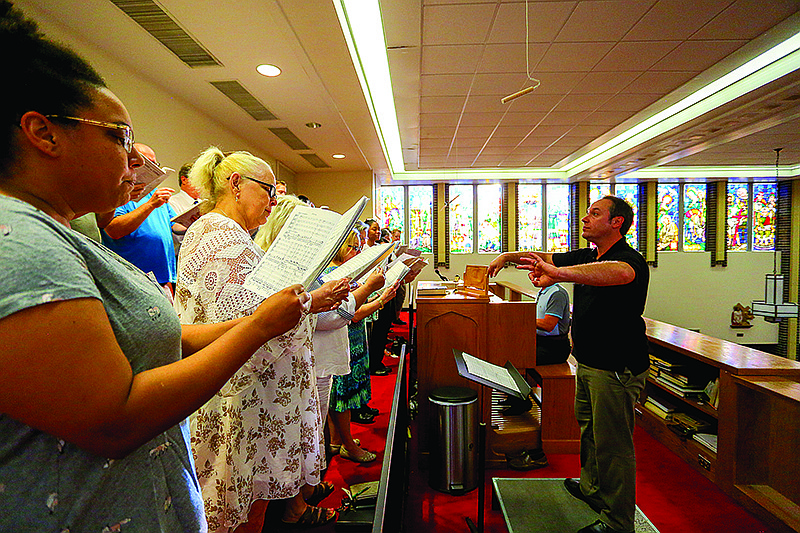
x=756 y=421
x=492 y=329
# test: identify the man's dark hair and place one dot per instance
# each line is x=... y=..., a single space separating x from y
x=620 y=208
x=43 y=76
x=184 y=172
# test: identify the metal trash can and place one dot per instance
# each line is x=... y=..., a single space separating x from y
x=454 y=454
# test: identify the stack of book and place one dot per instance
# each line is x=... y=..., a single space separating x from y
x=708 y=440
x=659 y=407
x=658 y=365
x=681 y=384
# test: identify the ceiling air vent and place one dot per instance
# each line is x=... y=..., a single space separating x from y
x=241 y=97
x=160 y=25
x=315 y=160
x=286 y=135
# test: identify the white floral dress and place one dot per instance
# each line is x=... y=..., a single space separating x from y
x=261 y=436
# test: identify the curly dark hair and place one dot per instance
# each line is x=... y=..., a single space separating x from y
x=47 y=77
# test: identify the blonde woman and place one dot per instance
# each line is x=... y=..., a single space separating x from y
x=259 y=438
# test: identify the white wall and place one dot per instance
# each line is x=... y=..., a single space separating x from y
x=684 y=290
x=172 y=127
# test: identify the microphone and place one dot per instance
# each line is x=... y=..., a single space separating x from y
x=441 y=277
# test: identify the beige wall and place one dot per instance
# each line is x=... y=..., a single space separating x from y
x=336 y=190
x=175 y=130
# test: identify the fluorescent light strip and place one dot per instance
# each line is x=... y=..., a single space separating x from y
x=781 y=60
x=363 y=29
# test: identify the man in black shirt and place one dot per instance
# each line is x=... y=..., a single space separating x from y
x=610 y=345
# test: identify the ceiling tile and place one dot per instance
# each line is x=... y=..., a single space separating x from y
x=573 y=57
x=602 y=20
x=581 y=102
x=675 y=19
x=658 y=82
x=513 y=131
x=564 y=118
x=545 y=20
x=607 y=118
x=633 y=56
x=481 y=132
x=441 y=104
x=626 y=101
x=604 y=82
x=510 y=57
x=697 y=55
x=480 y=119
x=445 y=84
x=450 y=59
x=429 y=120
x=456 y=24
x=436 y=132
x=522 y=119
x=746 y=19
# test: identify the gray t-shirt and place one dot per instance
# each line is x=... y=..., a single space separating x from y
x=47 y=485
x=554 y=300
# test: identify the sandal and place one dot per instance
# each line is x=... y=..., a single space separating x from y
x=311 y=517
x=321 y=491
x=333 y=449
x=365 y=457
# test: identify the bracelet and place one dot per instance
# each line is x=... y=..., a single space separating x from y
x=381 y=303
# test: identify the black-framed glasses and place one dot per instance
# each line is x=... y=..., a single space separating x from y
x=270 y=188
x=356 y=248
x=127 y=131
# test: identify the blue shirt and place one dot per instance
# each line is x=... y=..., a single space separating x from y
x=149 y=246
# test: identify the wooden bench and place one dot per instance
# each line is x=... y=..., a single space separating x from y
x=560 y=432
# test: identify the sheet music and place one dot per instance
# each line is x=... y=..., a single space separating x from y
x=395 y=272
x=360 y=263
x=151 y=175
x=187 y=217
x=490 y=372
x=305 y=245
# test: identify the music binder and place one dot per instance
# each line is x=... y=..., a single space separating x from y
x=489 y=374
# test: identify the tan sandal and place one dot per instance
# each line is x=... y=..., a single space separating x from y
x=365 y=457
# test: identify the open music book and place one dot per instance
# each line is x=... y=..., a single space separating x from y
x=366 y=261
x=305 y=245
x=189 y=215
x=503 y=378
x=151 y=175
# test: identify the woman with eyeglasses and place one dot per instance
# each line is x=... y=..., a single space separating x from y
x=97 y=375
x=352 y=390
x=260 y=437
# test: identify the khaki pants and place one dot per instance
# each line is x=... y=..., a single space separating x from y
x=604 y=402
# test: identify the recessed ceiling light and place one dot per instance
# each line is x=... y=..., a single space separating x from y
x=338 y=156
x=268 y=70
x=313 y=125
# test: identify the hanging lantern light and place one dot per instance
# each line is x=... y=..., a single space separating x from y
x=773 y=308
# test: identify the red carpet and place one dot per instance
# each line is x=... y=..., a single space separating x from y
x=672 y=495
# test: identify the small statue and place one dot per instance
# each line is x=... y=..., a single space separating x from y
x=741 y=316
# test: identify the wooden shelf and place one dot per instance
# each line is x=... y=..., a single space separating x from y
x=757 y=420
x=697 y=404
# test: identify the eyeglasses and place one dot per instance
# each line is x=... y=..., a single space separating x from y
x=127 y=132
x=356 y=248
x=270 y=188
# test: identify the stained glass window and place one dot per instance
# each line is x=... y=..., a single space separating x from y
x=668 y=217
x=557 y=218
x=392 y=208
x=738 y=197
x=598 y=190
x=529 y=217
x=420 y=218
x=461 y=214
x=694 y=217
x=630 y=193
x=490 y=203
x=765 y=199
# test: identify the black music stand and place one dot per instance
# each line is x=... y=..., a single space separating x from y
x=484 y=376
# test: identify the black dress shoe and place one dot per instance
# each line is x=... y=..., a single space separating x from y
x=381 y=371
x=573 y=486
x=600 y=527
x=367 y=410
x=517 y=407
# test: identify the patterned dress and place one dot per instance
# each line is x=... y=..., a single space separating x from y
x=261 y=436
x=355 y=389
